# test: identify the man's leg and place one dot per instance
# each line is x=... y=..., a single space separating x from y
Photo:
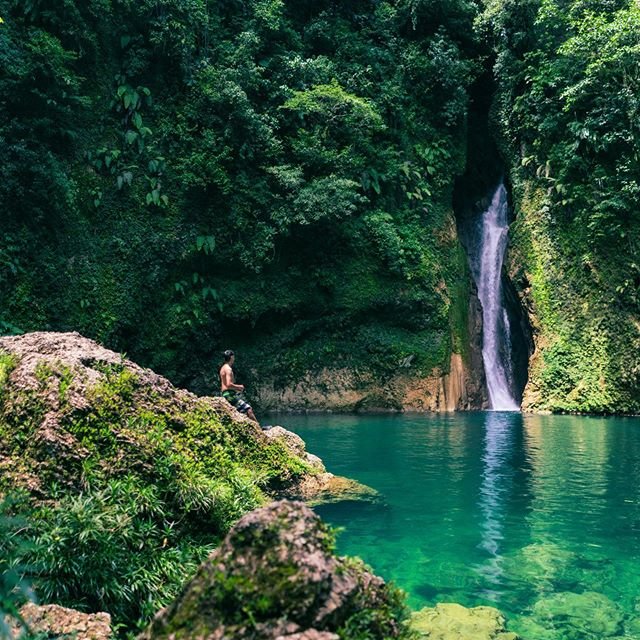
x=245 y=407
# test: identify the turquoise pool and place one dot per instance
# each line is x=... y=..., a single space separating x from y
x=538 y=516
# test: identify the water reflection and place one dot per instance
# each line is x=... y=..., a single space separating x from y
x=569 y=462
x=495 y=487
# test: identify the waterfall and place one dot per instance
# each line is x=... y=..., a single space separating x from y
x=496 y=334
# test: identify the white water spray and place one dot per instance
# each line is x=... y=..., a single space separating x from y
x=496 y=334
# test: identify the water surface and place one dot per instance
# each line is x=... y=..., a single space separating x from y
x=536 y=515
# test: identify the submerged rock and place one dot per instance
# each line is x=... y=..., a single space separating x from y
x=579 y=616
x=547 y=564
x=529 y=629
x=275 y=578
x=542 y=563
x=454 y=622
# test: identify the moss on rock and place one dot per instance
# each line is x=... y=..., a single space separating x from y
x=275 y=576
x=454 y=622
x=586 y=345
x=69 y=403
x=128 y=482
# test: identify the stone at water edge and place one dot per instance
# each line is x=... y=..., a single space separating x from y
x=325 y=488
x=56 y=621
x=321 y=487
x=452 y=621
x=275 y=578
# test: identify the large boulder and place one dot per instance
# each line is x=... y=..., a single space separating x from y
x=275 y=578
x=65 y=400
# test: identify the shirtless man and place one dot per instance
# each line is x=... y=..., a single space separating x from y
x=230 y=390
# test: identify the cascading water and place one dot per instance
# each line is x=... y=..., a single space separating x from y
x=496 y=334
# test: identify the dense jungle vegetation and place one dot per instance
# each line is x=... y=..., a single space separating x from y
x=180 y=176
x=566 y=115
x=185 y=175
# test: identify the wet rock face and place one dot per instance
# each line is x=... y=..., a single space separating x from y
x=522 y=346
x=275 y=577
x=476 y=381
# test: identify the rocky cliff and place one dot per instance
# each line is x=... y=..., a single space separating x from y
x=586 y=344
x=125 y=481
x=461 y=386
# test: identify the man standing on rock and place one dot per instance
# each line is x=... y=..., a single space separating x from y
x=230 y=390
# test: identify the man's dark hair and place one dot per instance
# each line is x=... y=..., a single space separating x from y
x=227 y=355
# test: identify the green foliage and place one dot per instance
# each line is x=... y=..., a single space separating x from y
x=7 y=364
x=567 y=112
x=330 y=105
x=14 y=589
x=118 y=549
x=181 y=174
x=327 y=199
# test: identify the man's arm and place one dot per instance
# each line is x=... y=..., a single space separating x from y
x=227 y=380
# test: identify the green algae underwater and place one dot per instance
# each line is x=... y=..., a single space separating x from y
x=536 y=515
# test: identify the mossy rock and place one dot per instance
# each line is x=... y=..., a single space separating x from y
x=71 y=407
x=275 y=576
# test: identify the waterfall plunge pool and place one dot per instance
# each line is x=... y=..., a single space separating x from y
x=538 y=516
